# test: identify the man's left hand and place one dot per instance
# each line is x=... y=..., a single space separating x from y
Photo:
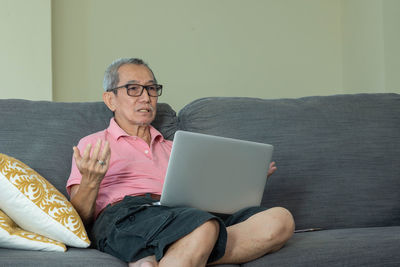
x=272 y=168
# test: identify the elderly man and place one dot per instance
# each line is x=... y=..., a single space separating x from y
x=118 y=173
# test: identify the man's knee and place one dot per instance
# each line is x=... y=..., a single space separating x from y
x=209 y=230
x=282 y=225
x=275 y=225
x=204 y=236
x=197 y=246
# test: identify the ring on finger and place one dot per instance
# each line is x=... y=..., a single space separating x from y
x=101 y=162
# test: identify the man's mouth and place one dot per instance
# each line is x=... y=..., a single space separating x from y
x=145 y=110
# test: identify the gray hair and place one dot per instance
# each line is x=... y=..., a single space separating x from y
x=111 y=75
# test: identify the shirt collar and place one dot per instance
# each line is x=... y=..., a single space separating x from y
x=116 y=132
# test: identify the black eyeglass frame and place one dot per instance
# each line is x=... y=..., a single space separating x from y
x=159 y=88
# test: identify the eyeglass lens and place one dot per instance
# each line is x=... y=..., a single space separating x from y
x=137 y=90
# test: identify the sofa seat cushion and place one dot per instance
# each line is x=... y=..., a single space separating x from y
x=77 y=257
x=377 y=246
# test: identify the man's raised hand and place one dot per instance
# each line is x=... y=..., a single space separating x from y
x=93 y=166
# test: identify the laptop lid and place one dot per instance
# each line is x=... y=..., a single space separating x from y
x=215 y=174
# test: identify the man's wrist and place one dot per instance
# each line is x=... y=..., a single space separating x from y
x=89 y=185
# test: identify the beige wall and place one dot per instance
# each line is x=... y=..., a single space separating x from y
x=25 y=49
x=255 y=48
x=371 y=41
x=363 y=46
x=266 y=49
x=391 y=23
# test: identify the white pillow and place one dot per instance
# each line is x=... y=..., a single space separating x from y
x=11 y=236
x=37 y=206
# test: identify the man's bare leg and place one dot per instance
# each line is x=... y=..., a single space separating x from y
x=149 y=261
x=193 y=249
x=262 y=233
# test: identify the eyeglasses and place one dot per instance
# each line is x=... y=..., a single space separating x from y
x=153 y=90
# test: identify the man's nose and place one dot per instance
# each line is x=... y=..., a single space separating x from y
x=145 y=96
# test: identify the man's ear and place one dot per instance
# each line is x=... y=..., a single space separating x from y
x=108 y=98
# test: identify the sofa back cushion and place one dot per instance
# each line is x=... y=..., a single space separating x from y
x=337 y=156
x=42 y=133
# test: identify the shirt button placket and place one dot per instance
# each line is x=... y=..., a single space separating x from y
x=148 y=154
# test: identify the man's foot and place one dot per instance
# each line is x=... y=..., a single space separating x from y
x=149 y=261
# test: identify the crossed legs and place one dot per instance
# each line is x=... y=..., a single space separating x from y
x=262 y=233
x=191 y=250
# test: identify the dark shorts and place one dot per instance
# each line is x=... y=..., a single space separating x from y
x=135 y=228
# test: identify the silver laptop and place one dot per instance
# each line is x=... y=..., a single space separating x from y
x=215 y=174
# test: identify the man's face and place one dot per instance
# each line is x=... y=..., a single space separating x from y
x=140 y=110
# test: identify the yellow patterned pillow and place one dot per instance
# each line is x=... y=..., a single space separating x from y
x=11 y=236
x=37 y=206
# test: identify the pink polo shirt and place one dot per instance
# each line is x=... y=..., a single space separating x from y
x=134 y=169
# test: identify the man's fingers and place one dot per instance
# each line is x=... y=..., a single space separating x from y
x=77 y=154
x=92 y=160
x=95 y=154
x=272 y=168
x=86 y=152
x=106 y=153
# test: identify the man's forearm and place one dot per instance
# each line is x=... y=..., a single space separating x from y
x=84 y=201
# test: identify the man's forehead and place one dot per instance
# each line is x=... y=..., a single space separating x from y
x=130 y=73
x=136 y=82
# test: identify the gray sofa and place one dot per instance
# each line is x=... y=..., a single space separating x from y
x=338 y=161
